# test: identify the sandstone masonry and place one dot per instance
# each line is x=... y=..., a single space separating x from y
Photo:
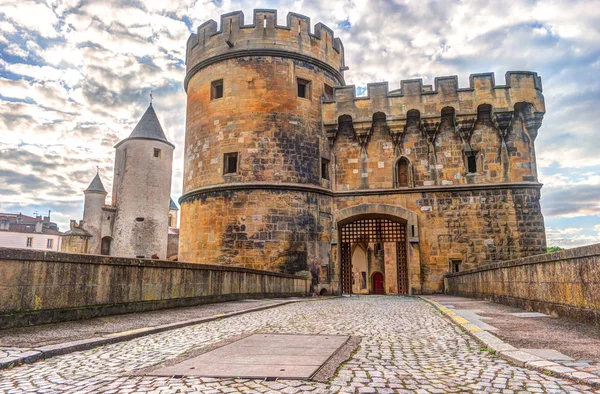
x=287 y=170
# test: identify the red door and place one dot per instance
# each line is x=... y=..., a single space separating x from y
x=378 y=283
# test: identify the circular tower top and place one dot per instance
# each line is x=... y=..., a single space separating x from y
x=264 y=37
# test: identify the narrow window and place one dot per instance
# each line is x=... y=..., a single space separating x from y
x=364 y=280
x=230 y=162
x=412 y=231
x=170 y=220
x=324 y=168
x=157 y=153
x=303 y=88
x=49 y=244
x=471 y=162
x=29 y=242
x=139 y=219
x=328 y=91
x=455 y=265
x=402 y=172
x=216 y=91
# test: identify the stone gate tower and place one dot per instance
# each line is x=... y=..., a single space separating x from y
x=287 y=170
x=254 y=142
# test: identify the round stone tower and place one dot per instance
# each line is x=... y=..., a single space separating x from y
x=95 y=198
x=256 y=191
x=141 y=191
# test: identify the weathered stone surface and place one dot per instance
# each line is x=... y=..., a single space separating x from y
x=277 y=212
x=42 y=287
x=565 y=283
x=406 y=347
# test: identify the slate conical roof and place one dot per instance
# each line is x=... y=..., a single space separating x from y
x=173 y=205
x=148 y=128
x=96 y=185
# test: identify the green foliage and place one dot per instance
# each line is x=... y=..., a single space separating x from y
x=552 y=249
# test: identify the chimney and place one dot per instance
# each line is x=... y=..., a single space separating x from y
x=72 y=224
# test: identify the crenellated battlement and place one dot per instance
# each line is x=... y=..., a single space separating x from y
x=264 y=37
x=519 y=87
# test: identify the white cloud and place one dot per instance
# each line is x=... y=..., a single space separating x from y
x=87 y=68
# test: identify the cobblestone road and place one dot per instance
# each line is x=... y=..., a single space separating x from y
x=406 y=347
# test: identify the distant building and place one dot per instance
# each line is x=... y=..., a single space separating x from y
x=138 y=220
x=173 y=237
x=26 y=232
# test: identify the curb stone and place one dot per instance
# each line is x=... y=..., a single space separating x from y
x=45 y=352
x=512 y=354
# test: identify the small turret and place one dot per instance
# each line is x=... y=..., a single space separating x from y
x=95 y=198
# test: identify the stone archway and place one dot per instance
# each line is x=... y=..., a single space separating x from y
x=383 y=224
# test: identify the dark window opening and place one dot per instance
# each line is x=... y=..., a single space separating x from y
x=324 y=168
x=303 y=88
x=29 y=242
x=139 y=219
x=328 y=91
x=230 y=162
x=140 y=257
x=412 y=230
x=472 y=162
x=108 y=218
x=216 y=91
x=412 y=118
x=455 y=265
x=105 y=246
x=484 y=113
x=323 y=292
x=363 y=284
x=157 y=153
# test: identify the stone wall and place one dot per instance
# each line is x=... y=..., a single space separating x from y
x=44 y=287
x=565 y=283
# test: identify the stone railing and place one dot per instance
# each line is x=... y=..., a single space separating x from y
x=565 y=283
x=43 y=287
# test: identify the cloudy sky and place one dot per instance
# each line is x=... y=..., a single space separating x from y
x=75 y=77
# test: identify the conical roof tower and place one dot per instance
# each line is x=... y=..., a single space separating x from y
x=96 y=185
x=148 y=128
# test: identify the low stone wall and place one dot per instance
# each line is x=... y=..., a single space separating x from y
x=565 y=283
x=39 y=287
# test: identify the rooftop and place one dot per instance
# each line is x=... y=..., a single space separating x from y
x=148 y=128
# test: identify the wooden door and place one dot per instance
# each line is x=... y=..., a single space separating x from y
x=378 y=283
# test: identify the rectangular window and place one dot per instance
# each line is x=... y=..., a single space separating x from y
x=328 y=92
x=157 y=153
x=29 y=242
x=230 y=162
x=454 y=265
x=49 y=244
x=472 y=162
x=324 y=168
x=363 y=284
x=303 y=88
x=216 y=89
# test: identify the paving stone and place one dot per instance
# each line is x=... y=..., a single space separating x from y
x=406 y=347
